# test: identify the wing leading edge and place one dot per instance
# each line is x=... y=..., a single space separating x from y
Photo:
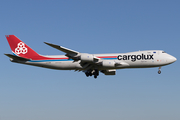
x=63 y=49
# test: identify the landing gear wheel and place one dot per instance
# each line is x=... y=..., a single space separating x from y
x=87 y=74
x=90 y=74
x=95 y=73
x=95 y=76
x=159 y=72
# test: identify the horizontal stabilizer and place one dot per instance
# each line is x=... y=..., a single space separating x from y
x=14 y=57
x=63 y=49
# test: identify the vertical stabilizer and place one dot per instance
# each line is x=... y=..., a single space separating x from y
x=19 y=48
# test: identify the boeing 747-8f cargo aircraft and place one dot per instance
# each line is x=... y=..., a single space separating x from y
x=90 y=64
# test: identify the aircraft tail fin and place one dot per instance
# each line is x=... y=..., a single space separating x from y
x=19 y=48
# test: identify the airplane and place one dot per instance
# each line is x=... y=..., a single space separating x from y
x=90 y=64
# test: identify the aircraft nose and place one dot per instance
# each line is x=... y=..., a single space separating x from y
x=172 y=59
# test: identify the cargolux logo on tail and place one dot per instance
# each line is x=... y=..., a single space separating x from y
x=21 y=48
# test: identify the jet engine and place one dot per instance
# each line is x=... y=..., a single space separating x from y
x=108 y=63
x=86 y=57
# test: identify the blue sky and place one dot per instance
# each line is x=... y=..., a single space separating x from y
x=91 y=26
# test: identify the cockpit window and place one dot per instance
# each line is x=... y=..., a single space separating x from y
x=163 y=52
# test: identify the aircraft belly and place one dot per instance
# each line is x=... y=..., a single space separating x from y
x=145 y=64
x=140 y=64
x=59 y=65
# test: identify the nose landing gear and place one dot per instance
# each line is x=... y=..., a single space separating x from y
x=159 y=71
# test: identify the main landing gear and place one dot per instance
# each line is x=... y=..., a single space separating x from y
x=92 y=72
x=159 y=71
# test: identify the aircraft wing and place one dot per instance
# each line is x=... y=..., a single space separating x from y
x=63 y=49
x=72 y=54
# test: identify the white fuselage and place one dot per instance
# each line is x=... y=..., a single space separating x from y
x=139 y=59
x=90 y=64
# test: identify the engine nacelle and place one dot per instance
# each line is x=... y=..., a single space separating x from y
x=108 y=63
x=87 y=57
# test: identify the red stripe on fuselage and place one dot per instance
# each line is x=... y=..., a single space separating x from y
x=107 y=56
x=48 y=58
